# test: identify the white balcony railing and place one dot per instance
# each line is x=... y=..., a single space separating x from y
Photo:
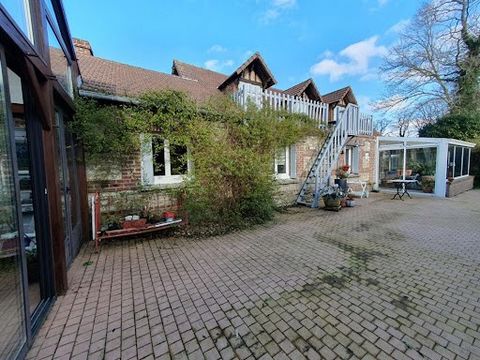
x=279 y=101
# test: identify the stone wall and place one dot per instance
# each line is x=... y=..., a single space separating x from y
x=458 y=186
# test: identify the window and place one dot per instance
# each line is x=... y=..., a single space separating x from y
x=163 y=163
x=466 y=160
x=281 y=163
x=352 y=159
x=19 y=10
x=458 y=161
x=58 y=61
x=285 y=163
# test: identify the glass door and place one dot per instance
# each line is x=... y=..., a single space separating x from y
x=13 y=333
x=33 y=205
x=68 y=188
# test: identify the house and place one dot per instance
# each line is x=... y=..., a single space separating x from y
x=43 y=202
x=115 y=83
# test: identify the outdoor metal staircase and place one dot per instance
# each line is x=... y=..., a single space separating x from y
x=350 y=124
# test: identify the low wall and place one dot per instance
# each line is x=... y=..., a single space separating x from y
x=287 y=192
x=458 y=186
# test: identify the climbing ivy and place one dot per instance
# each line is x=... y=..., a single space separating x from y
x=231 y=149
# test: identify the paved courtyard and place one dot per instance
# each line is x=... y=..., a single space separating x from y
x=386 y=279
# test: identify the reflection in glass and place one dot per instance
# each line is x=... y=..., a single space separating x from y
x=12 y=333
x=24 y=167
x=19 y=10
x=28 y=216
x=391 y=167
x=58 y=61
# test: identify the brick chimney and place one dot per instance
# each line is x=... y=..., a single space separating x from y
x=82 y=47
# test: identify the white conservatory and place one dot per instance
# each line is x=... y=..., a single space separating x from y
x=439 y=167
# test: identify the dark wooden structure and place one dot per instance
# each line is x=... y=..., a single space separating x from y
x=42 y=165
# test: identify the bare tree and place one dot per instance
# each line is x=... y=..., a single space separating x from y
x=433 y=64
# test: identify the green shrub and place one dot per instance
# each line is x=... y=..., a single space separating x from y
x=231 y=149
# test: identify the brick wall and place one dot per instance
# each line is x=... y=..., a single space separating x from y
x=458 y=186
x=125 y=177
x=367 y=159
x=306 y=152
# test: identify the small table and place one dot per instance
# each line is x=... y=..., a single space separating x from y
x=401 y=185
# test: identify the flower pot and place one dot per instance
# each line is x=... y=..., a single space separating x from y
x=428 y=184
x=342 y=184
x=332 y=203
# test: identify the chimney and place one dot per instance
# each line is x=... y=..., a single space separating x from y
x=82 y=47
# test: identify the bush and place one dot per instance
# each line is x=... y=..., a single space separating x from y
x=231 y=149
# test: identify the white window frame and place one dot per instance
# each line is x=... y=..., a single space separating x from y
x=148 y=175
x=285 y=175
x=349 y=158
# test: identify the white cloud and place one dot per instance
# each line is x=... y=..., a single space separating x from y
x=327 y=54
x=218 y=65
x=276 y=8
x=284 y=3
x=355 y=60
x=365 y=103
x=399 y=26
x=217 y=49
x=382 y=2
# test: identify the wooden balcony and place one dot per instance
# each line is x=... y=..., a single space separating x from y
x=358 y=124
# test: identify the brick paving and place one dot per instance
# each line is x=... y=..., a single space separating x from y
x=386 y=279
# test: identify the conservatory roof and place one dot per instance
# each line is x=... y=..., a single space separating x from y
x=419 y=141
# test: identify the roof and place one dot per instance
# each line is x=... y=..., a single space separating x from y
x=265 y=72
x=110 y=77
x=192 y=72
x=300 y=88
x=337 y=95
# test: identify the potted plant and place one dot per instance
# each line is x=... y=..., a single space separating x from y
x=428 y=183
x=332 y=197
x=342 y=175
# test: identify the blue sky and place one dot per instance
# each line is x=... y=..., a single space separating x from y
x=337 y=43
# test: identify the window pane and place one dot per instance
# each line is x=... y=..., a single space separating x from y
x=281 y=158
x=391 y=166
x=178 y=159
x=458 y=161
x=19 y=11
x=466 y=156
x=58 y=62
x=12 y=334
x=451 y=161
x=158 y=150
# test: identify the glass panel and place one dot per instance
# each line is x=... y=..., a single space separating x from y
x=391 y=167
x=421 y=166
x=451 y=161
x=178 y=159
x=458 y=161
x=158 y=149
x=281 y=159
x=13 y=333
x=19 y=10
x=466 y=157
x=58 y=61
x=24 y=166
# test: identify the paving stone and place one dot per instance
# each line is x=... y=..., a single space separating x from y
x=386 y=279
